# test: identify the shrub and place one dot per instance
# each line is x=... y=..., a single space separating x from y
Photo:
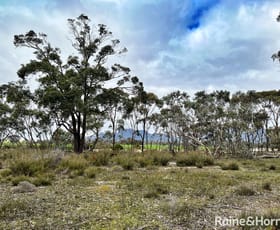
x=118 y=147
x=186 y=160
x=5 y=172
x=74 y=162
x=267 y=186
x=90 y=172
x=144 y=160
x=16 y=180
x=76 y=172
x=126 y=161
x=160 y=188
x=100 y=158
x=43 y=180
x=192 y=159
x=180 y=211
x=151 y=194
x=199 y=165
x=161 y=159
x=230 y=166
x=272 y=167
x=245 y=191
x=156 y=190
x=27 y=167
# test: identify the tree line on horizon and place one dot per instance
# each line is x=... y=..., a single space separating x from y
x=77 y=97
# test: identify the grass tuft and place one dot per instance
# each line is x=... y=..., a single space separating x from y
x=194 y=159
x=230 y=166
x=74 y=162
x=245 y=191
x=90 y=172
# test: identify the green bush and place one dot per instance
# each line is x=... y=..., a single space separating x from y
x=42 y=181
x=128 y=165
x=5 y=172
x=199 y=165
x=27 y=167
x=155 y=190
x=16 y=180
x=74 y=162
x=151 y=194
x=90 y=172
x=76 y=172
x=230 y=166
x=144 y=160
x=267 y=186
x=126 y=161
x=272 y=167
x=161 y=159
x=194 y=159
x=245 y=191
x=99 y=158
x=118 y=147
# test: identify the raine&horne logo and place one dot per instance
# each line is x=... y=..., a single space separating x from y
x=250 y=221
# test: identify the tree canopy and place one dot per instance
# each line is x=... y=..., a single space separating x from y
x=72 y=90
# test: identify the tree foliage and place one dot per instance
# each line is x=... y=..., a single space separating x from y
x=72 y=90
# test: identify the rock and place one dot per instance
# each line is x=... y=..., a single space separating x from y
x=23 y=187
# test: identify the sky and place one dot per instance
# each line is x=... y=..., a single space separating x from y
x=187 y=45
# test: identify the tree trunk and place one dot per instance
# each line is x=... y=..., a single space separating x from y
x=113 y=135
x=79 y=143
x=143 y=136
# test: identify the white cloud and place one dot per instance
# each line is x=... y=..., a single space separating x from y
x=230 y=49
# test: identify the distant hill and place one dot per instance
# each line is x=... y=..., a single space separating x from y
x=127 y=134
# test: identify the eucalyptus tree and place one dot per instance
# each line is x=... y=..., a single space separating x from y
x=175 y=120
x=249 y=122
x=71 y=90
x=210 y=113
x=114 y=106
x=139 y=110
x=96 y=122
x=25 y=119
x=146 y=105
x=269 y=102
x=5 y=112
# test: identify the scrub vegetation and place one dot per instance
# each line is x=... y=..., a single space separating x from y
x=73 y=193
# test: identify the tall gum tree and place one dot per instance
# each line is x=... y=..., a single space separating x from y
x=72 y=90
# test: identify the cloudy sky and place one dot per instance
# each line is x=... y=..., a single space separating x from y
x=189 y=45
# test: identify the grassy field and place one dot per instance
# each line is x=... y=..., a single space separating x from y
x=97 y=191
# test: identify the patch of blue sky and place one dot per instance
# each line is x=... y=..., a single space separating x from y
x=200 y=8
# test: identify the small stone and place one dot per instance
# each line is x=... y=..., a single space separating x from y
x=23 y=187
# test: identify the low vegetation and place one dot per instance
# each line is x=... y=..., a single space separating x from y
x=132 y=191
x=230 y=166
x=194 y=159
x=245 y=191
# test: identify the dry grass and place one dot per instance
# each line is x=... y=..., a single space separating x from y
x=83 y=196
